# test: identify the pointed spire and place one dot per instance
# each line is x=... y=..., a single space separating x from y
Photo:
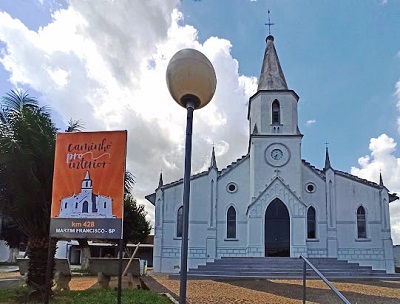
x=255 y=130
x=271 y=77
x=213 y=161
x=87 y=176
x=160 y=181
x=327 y=160
x=380 y=179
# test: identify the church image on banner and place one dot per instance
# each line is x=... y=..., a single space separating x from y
x=86 y=204
x=271 y=202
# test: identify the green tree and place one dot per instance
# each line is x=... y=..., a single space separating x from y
x=136 y=227
x=27 y=142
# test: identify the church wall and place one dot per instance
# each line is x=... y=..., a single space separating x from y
x=199 y=213
x=317 y=199
x=349 y=196
x=239 y=200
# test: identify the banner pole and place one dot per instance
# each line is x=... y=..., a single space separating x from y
x=120 y=271
x=48 y=273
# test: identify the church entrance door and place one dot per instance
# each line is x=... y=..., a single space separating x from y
x=277 y=230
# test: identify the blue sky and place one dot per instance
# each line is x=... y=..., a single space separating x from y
x=341 y=57
x=104 y=62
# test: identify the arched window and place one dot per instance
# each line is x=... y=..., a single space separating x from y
x=105 y=205
x=179 y=222
x=311 y=223
x=276 y=112
x=361 y=223
x=231 y=223
x=65 y=206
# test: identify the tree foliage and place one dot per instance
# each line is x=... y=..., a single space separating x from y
x=27 y=142
x=10 y=232
x=136 y=227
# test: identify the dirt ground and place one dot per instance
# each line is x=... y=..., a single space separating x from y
x=284 y=291
x=262 y=291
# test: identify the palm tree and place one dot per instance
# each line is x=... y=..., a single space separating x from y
x=75 y=126
x=27 y=142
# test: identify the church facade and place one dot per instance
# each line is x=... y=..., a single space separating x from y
x=271 y=202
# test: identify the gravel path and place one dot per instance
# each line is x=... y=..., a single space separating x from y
x=283 y=291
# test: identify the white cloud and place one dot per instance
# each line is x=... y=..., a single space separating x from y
x=382 y=159
x=110 y=73
x=397 y=95
x=310 y=122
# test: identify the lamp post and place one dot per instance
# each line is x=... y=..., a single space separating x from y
x=191 y=82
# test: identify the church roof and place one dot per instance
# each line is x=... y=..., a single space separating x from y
x=358 y=179
x=317 y=171
x=271 y=77
x=233 y=164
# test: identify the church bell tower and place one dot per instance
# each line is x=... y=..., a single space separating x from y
x=275 y=139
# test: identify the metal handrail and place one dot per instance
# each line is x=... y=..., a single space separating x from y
x=337 y=292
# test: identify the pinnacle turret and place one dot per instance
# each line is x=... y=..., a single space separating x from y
x=327 y=160
x=160 y=181
x=213 y=161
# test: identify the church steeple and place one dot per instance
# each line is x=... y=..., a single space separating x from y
x=87 y=182
x=327 y=160
x=271 y=77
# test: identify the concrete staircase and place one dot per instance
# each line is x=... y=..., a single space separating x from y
x=283 y=268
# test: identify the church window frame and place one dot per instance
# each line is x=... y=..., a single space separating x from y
x=231 y=223
x=179 y=222
x=310 y=187
x=231 y=187
x=361 y=219
x=311 y=223
x=276 y=112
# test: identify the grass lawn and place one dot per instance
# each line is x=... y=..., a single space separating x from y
x=89 y=296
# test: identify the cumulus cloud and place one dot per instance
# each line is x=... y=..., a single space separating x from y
x=104 y=63
x=382 y=159
x=310 y=122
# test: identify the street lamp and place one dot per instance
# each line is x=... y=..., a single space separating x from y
x=191 y=82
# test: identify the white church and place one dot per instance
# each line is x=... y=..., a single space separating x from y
x=271 y=202
x=86 y=204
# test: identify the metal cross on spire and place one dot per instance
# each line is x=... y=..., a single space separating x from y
x=326 y=144
x=269 y=23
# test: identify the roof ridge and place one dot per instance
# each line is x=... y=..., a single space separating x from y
x=233 y=164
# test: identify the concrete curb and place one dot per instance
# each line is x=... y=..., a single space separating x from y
x=170 y=297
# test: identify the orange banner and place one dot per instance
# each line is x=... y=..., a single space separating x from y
x=89 y=175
